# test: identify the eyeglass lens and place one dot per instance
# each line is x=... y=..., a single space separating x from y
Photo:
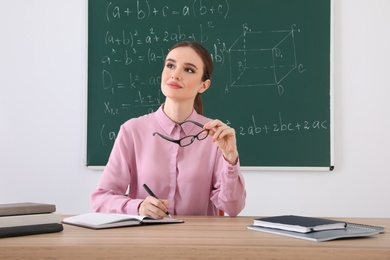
x=190 y=139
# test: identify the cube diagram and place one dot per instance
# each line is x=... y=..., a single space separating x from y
x=262 y=58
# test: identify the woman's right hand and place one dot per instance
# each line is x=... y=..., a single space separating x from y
x=153 y=207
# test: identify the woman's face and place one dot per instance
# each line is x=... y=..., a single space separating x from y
x=181 y=77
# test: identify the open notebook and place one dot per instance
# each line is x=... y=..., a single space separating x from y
x=352 y=230
x=97 y=220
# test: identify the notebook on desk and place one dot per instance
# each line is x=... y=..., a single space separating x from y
x=352 y=230
x=300 y=224
x=95 y=220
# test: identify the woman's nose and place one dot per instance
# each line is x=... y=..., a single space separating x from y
x=175 y=74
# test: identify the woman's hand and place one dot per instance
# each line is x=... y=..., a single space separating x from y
x=225 y=136
x=153 y=207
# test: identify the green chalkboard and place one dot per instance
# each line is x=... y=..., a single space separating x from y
x=272 y=78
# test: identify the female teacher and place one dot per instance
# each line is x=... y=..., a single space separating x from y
x=188 y=160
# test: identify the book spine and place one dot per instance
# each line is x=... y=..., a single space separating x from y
x=30 y=230
x=27 y=209
x=26 y=220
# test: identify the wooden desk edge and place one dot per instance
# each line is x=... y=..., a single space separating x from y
x=199 y=237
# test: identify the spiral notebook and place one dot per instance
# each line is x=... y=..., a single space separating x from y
x=352 y=230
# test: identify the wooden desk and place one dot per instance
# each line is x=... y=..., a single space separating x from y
x=198 y=237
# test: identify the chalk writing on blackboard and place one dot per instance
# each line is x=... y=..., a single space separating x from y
x=143 y=10
x=270 y=55
x=263 y=58
x=280 y=125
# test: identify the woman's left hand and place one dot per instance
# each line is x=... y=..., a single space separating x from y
x=225 y=136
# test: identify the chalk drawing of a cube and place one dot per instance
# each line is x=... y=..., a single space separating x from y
x=262 y=58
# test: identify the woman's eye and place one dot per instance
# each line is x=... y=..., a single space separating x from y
x=169 y=65
x=190 y=70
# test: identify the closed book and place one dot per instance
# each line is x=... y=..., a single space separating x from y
x=96 y=220
x=26 y=220
x=299 y=223
x=25 y=208
x=30 y=230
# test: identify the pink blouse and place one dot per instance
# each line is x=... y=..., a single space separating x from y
x=196 y=179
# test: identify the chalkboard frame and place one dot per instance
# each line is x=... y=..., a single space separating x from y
x=330 y=167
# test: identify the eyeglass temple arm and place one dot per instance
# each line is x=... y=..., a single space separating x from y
x=194 y=122
x=167 y=138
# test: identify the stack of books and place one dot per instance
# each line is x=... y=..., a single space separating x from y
x=313 y=229
x=28 y=218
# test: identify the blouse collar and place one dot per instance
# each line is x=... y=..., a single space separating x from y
x=168 y=125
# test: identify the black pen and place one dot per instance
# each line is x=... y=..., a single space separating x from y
x=150 y=192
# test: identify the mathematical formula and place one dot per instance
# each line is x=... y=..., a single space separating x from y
x=281 y=125
x=143 y=10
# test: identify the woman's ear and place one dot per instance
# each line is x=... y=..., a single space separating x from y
x=205 y=85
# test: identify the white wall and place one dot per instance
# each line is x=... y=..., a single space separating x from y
x=42 y=106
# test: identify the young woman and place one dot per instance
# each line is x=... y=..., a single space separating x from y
x=189 y=161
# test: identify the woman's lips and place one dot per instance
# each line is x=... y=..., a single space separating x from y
x=174 y=85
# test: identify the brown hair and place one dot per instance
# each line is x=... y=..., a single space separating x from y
x=207 y=68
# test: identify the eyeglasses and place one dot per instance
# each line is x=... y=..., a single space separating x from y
x=189 y=139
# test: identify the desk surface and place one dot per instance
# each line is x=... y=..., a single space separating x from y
x=199 y=237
